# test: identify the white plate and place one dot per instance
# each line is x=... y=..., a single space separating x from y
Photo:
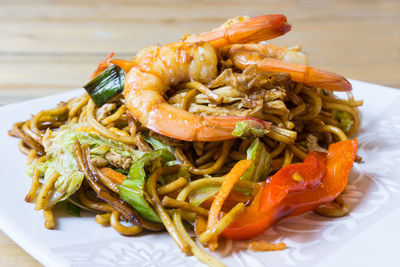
x=367 y=237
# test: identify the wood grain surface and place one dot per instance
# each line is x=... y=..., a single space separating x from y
x=47 y=47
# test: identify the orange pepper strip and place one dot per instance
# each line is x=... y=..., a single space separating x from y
x=280 y=199
x=113 y=175
x=229 y=182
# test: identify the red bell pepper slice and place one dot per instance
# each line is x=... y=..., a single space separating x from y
x=296 y=189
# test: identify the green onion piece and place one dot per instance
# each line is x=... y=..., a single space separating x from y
x=106 y=85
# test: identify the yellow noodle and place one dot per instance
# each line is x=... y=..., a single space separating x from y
x=103 y=130
x=350 y=102
x=173 y=186
x=35 y=181
x=221 y=225
x=271 y=118
x=73 y=120
x=115 y=116
x=298 y=110
x=197 y=252
x=141 y=144
x=278 y=150
x=203 y=89
x=28 y=131
x=78 y=107
x=48 y=219
x=206 y=166
x=101 y=206
x=215 y=167
x=276 y=164
x=103 y=219
x=236 y=155
x=298 y=152
x=329 y=120
x=353 y=112
x=244 y=145
x=201 y=255
x=211 y=145
x=288 y=156
x=190 y=217
x=82 y=116
x=338 y=208
x=199 y=148
x=173 y=203
x=288 y=124
x=31 y=156
x=23 y=148
x=58 y=111
x=330 y=129
x=152 y=191
x=107 y=181
x=122 y=229
x=315 y=106
x=119 y=132
x=282 y=135
x=205 y=157
x=188 y=98
x=44 y=191
x=298 y=88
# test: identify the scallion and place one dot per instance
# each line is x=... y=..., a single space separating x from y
x=106 y=85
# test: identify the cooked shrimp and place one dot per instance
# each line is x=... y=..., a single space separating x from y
x=157 y=68
x=279 y=59
x=244 y=31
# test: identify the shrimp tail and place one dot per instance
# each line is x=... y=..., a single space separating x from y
x=126 y=65
x=252 y=30
x=307 y=74
x=177 y=123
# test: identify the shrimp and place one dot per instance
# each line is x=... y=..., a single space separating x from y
x=157 y=68
x=280 y=59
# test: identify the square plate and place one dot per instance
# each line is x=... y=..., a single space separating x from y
x=366 y=237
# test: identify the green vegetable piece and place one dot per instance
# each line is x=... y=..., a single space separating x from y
x=345 y=119
x=73 y=209
x=261 y=166
x=106 y=85
x=202 y=194
x=132 y=189
x=157 y=144
x=69 y=207
x=245 y=129
x=59 y=146
x=132 y=193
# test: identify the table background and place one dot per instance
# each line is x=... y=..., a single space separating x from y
x=47 y=47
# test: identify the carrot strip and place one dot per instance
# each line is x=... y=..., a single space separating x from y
x=231 y=201
x=102 y=65
x=200 y=224
x=229 y=182
x=113 y=175
x=264 y=246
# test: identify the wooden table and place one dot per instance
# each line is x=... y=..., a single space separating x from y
x=47 y=47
